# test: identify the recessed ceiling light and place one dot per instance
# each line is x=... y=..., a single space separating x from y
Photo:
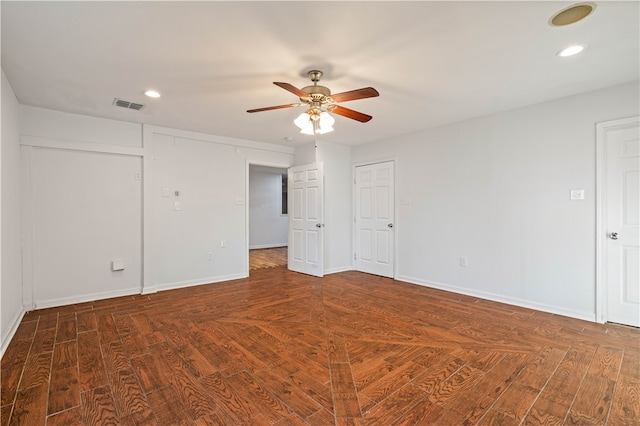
x=572 y=14
x=571 y=50
x=151 y=93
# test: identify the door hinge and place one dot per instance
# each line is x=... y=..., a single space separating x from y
x=355 y=257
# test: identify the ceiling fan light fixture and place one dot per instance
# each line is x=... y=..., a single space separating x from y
x=302 y=121
x=321 y=125
x=325 y=123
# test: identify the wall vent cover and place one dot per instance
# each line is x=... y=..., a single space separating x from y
x=127 y=104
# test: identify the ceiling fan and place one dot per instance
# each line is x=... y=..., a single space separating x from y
x=320 y=102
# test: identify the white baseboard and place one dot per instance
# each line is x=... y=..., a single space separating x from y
x=191 y=283
x=264 y=246
x=148 y=289
x=337 y=270
x=41 y=304
x=11 y=331
x=586 y=316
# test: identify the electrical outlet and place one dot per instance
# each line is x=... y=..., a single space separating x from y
x=463 y=262
x=210 y=255
x=223 y=243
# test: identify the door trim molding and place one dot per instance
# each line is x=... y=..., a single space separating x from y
x=602 y=314
x=396 y=220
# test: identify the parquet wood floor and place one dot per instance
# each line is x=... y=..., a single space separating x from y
x=281 y=348
x=267 y=258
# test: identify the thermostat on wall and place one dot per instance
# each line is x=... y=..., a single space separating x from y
x=117 y=265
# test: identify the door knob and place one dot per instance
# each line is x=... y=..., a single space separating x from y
x=319 y=225
x=613 y=235
x=390 y=225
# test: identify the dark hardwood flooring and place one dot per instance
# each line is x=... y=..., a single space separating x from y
x=281 y=348
x=267 y=258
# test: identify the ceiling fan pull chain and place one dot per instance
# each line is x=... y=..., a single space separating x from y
x=315 y=133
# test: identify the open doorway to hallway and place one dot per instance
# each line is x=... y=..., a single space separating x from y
x=267 y=258
x=268 y=220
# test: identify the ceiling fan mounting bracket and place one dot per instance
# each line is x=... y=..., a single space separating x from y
x=315 y=75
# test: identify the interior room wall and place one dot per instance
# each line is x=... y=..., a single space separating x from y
x=81 y=225
x=305 y=153
x=58 y=125
x=495 y=190
x=204 y=239
x=11 y=305
x=82 y=177
x=268 y=226
x=338 y=215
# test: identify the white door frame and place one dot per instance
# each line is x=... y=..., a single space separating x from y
x=602 y=314
x=249 y=163
x=396 y=221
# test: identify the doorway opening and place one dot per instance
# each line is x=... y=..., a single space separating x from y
x=267 y=217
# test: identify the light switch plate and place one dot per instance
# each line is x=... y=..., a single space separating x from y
x=577 y=194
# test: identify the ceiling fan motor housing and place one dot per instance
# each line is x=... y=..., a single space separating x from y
x=317 y=93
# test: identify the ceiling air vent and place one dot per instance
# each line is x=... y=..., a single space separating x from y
x=127 y=104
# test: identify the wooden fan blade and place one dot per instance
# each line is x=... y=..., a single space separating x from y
x=274 y=107
x=367 y=92
x=349 y=113
x=286 y=86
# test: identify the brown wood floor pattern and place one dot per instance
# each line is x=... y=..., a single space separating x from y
x=282 y=348
x=267 y=258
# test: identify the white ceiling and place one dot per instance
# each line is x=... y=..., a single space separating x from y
x=432 y=62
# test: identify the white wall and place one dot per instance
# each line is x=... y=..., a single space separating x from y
x=87 y=211
x=496 y=190
x=268 y=227
x=11 y=309
x=75 y=127
x=83 y=209
x=305 y=154
x=338 y=215
x=210 y=173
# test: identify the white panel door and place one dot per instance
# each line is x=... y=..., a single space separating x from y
x=306 y=227
x=374 y=219
x=622 y=268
